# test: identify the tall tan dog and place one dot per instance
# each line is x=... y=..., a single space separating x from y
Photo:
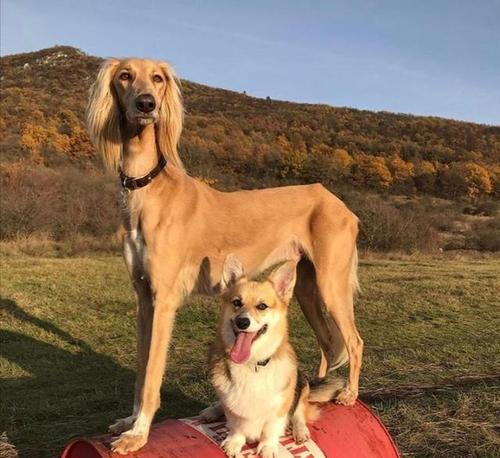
x=179 y=231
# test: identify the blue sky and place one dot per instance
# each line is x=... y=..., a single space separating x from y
x=425 y=57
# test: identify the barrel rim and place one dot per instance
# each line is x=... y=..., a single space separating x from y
x=98 y=446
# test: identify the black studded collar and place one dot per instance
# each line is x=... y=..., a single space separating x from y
x=133 y=183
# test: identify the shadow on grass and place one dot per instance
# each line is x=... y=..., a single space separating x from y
x=68 y=390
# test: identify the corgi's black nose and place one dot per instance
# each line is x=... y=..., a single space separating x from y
x=242 y=322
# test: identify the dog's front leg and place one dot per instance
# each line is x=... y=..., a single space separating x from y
x=271 y=433
x=166 y=302
x=144 y=323
x=133 y=253
x=233 y=444
x=235 y=440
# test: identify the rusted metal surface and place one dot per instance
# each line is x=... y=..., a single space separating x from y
x=340 y=432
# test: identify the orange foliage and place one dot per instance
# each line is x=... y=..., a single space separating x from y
x=372 y=172
x=342 y=159
x=244 y=140
x=466 y=178
x=402 y=174
x=32 y=139
x=425 y=176
x=494 y=173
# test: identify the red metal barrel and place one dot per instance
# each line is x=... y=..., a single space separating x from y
x=340 y=432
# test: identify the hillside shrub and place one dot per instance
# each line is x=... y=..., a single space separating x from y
x=60 y=203
x=485 y=237
x=384 y=227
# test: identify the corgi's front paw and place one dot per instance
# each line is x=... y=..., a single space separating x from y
x=346 y=397
x=233 y=444
x=267 y=450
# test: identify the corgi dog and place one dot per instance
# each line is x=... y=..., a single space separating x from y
x=254 y=368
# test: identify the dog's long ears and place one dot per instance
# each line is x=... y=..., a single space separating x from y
x=283 y=279
x=232 y=271
x=103 y=116
x=171 y=117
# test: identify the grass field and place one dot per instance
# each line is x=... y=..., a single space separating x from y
x=431 y=367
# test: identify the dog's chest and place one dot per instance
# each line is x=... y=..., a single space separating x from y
x=136 y=254
x=254 y=393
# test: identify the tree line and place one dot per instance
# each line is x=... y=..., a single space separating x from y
x=257 y=141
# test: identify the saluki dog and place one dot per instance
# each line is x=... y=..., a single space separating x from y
x=178 y=232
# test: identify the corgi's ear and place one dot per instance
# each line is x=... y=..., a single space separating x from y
x=283 y=279
x=232 y=271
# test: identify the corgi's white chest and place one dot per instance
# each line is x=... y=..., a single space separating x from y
x=255 y=393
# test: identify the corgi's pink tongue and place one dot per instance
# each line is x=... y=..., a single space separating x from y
x=240 y=353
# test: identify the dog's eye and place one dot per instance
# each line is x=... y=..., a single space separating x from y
x=262 y=306
x=125 y=76
x=237 y=303
x=157 y=79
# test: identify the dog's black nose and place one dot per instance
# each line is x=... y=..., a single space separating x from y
x=145 y=103
x=242 y=322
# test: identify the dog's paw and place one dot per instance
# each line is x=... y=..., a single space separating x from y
x=122 y=424
x=346 y=397
x=300 y=433
x=267 y=450
x=232 y=445
x=212 y=413
x=129 y=442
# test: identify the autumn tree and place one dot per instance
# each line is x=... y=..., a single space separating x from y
x=372 y=172
x=425 y=176
x=342 y=162
x=293 y=157
x=467 y=179
x=32 y=139
x=494 y=173
x=402 y=174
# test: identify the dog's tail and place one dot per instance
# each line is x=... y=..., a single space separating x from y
x=325 y=389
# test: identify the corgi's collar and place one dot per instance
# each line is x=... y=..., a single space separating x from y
x=262 y=363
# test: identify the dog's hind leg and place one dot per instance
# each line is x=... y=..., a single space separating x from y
x=333 y=350
x=335 y=260
x=212 y=412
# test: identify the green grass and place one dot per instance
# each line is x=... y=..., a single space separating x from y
x=68 y=341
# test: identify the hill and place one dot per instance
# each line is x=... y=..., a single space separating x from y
x=44 y=94
x=393 y=169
